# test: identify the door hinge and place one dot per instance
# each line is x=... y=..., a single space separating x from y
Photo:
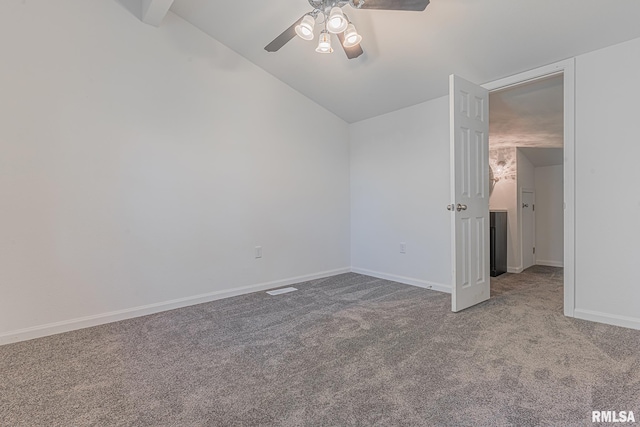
x=534 y=250
x=533 y=207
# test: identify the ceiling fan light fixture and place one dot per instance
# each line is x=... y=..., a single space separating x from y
x=351 y=36
x=305 y=29
x=324 y=43
x=337 y=22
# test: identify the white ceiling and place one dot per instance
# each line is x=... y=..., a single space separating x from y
x=528 y=115
x=409 y=55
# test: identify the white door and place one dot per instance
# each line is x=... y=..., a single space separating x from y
x=528 y=229
x=469 y=120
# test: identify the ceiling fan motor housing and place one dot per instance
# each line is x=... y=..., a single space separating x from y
x=325 y=6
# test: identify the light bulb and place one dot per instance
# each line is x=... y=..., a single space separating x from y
x=305 y=28
x=351 y=36
x=337 y=23
x=324 y=43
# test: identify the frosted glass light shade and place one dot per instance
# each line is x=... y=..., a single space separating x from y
x=337 y=22
x=324 y=43
x=351 y=36
x=305 y=29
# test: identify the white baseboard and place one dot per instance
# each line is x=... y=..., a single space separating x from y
x=402 y=279
x=514 y=269
x=549 y=263
x=128 y=313
x=609 y=319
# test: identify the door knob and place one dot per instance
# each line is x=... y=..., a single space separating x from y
x=461 y=207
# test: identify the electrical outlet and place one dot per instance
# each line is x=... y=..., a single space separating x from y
x=403 y=248
x=258 y=251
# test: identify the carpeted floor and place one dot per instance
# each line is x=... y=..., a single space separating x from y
x=347 y=350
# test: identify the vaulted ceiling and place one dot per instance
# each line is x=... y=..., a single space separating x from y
x=409 y=55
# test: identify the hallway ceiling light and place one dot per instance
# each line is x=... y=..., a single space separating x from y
x=495 y=175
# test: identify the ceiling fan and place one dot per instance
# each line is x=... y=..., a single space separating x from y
x=335 y=21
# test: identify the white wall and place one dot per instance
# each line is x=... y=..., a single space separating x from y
x=142 y=165
x=549 y=183
x=399 y=193
x=607 y=177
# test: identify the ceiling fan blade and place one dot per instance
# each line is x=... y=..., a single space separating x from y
x=283 y=38
x=410 y=5
x=353 y=51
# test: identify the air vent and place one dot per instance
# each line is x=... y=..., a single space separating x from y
x=281 y=291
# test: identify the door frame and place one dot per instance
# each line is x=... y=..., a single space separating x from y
x=567 y=69
x=521 y=223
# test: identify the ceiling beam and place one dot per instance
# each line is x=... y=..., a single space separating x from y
x=154 y=11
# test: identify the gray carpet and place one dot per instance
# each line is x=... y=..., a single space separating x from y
x=347 y=350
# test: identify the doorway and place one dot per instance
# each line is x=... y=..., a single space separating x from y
x=565 y=70
x=526 y=140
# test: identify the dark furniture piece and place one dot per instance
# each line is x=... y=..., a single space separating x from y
x=498 y=242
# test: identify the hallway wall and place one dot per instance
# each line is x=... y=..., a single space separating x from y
x=549 y=183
